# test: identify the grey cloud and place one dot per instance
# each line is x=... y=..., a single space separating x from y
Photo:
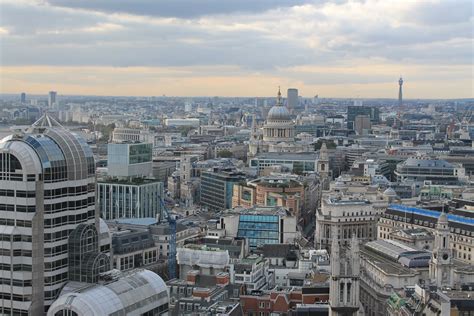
x=140 y=43
x=22 y=19
x=442 y=12
x=177 y=8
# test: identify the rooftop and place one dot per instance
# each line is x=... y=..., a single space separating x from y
x=430 y=213
x=289 y=156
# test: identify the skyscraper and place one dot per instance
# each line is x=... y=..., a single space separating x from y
x=292 y=95
x=47 y=190
x=23 y=98
x=400 y=96
x=52 y=98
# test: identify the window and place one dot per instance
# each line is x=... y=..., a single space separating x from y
x=341 y=292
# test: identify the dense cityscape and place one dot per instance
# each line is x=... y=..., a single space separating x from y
x=281 y=205
x=236 y=158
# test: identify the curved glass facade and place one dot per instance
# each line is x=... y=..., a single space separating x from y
x=51 y=157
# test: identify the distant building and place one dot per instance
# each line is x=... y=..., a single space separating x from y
x=205 y=286
x=436 y=171
x=133 y=249
x=298 y=163
x=353 y=111
x=279 y=126
x=431 y=301
x=52 y=98
x=127 y=191
x=347 y=215
x=270 y=191
x=217 y=188
x=134 y=198
x=260 y=225
x=461 y=226
x=388 y=268
x=123 y=134
x=362 y=124
x=23 y=98
x=278 y=132
x=129 y=159
x=191 y=122
x=292 y=98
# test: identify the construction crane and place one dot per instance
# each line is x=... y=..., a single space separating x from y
x=167 y=218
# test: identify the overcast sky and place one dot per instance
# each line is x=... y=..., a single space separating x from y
x=238 y=47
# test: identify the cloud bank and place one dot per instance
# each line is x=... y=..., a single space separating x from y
x=342 y=48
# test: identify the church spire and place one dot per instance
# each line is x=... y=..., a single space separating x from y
x=279 y=97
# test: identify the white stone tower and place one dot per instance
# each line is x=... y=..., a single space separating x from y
x=185 y=180
x=323 y=167
x=345 y=278
x=254 y=140
x=441 y=259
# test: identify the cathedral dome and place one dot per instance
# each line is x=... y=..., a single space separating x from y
x=278 y=113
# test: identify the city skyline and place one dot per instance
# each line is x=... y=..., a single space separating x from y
x=330 y=48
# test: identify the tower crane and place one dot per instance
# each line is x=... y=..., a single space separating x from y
x=168 y=218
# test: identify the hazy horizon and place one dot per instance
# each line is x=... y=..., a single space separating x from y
x=237 y=48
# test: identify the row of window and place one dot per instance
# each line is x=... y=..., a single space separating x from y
x=15 y=252
x=19 y=208
x=69 y=205
x=68 y=191
x=55 y=265
x=15 y=267
x=14 y=311
x=55 y=279
x=11 y=222
x=15 y=297
x=54 y=251
x=59 y=235
x=71 y=219
x=15 y=282
x=6 y=237
x=19 y=193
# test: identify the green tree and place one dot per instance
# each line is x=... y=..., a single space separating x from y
x=329 y=144
x=225 y=154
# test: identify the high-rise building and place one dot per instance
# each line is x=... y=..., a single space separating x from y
x=400 y=96
x=292 y=95
x=52 y=98
x=362 y=124
x=23 y=98
x=129 y=160
x=128 y=191
x=47 y=190
x=133 y=198
x=353 y=111
x=217 y=188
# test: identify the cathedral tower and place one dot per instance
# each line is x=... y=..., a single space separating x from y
x=441 y=258
x=345 y=278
